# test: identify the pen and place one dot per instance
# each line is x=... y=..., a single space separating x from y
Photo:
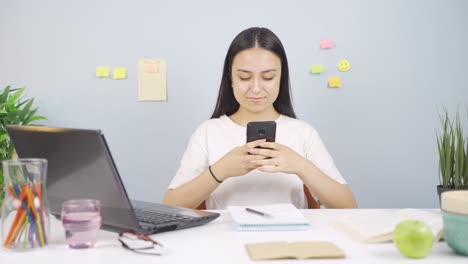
x=256 y=212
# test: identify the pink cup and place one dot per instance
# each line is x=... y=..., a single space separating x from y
x=82 y=222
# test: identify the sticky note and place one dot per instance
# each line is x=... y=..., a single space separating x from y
x=151 y=66
x=343 y=65
x=334 y=82
x=316 y=68
x=326 y=43
x=102 y=71
x=119 y=73
x=152 y=80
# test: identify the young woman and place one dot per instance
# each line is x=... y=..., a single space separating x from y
x=219 y=169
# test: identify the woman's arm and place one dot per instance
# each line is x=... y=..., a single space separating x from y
x=329 y=192
x=194 y=192
x=237 y=162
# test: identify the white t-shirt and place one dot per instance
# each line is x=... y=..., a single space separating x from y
x=215 y=137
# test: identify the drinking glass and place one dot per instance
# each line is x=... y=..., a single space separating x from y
x=82 y=222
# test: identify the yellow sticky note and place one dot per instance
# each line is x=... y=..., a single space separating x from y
x=102 y=71
x=316 y=68
x=152 y=80
x=120 y=73
x=334 y=82
x=343 y=65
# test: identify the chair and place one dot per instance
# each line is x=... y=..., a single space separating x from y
x=313 y=204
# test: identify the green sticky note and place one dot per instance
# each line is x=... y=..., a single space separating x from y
x=102 y=71
x=316 y=68
x=120 y=73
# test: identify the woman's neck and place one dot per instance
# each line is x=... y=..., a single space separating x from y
x=243 y=117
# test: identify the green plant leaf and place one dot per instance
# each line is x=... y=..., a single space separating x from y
x=18 y=105
x=35 y=118
x=14 y=110
x=445 y=144
x=3 y=137
x=3 y=152
x=29 y=115
x=465 y=177
x=4 y=95
x=459 y=153
x=15 y=96
x=25 y=111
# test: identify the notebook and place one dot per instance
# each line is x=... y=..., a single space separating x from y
x=80 y=166
x=297 y=250
x=378 y=226
x=276 y=217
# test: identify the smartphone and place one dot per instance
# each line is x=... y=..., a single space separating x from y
x=261 y=130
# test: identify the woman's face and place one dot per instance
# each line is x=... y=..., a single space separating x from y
x=256 y=75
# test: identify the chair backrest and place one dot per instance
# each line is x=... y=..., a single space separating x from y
x=312 y=203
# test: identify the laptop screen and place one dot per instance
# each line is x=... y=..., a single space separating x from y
x=79 y=167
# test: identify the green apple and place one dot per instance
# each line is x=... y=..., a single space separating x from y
x=413 y=238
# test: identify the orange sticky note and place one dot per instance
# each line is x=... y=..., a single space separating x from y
x=151 y=66
x=334 y=82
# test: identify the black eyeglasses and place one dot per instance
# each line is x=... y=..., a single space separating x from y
x=140 y=243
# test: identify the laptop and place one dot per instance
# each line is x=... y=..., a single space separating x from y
x=80 y=166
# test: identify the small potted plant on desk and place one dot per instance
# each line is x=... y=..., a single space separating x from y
x=453 y=155
x=14 y=110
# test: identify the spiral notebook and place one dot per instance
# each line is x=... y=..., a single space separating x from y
x=276 y=217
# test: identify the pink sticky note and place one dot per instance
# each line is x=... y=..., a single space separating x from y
x=151 y=67
x=326 y=43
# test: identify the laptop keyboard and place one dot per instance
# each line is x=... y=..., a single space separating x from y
x=151 y=217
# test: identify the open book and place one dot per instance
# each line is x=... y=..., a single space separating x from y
x=272 y=217
x=378 y=226
x=298 y=250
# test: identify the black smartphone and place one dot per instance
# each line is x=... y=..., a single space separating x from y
x=261 y=130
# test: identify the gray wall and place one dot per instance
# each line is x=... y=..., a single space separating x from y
x=408 y=58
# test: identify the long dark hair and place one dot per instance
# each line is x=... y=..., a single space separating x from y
x=250 y=38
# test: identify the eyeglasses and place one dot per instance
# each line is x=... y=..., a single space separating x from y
x=140 y=243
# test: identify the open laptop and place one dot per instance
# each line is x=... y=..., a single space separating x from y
x=80 y=166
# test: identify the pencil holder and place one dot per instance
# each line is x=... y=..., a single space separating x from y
x=25 y=212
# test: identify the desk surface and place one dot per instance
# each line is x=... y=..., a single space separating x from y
x=219 y=242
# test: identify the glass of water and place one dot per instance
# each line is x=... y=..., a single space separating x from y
x=82 y=222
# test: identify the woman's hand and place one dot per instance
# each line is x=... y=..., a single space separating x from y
x=283 y=159
x=238 y=161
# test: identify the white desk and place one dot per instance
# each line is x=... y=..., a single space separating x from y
x=219 y=242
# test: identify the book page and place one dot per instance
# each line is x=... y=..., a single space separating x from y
x=369 y=224
x=432 y=219
x=374 y=227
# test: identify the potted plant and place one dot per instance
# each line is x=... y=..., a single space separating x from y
x=15 y=110
x=453 y=154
